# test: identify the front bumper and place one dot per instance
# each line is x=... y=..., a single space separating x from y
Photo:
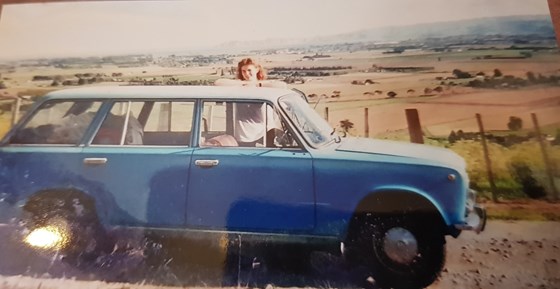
x=475 y=219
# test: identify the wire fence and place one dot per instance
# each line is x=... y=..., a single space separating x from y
x=526 y=157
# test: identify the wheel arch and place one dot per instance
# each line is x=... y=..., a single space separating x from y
x=389 y=201
x=40 y=202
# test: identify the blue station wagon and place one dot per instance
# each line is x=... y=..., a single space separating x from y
x=85 y=163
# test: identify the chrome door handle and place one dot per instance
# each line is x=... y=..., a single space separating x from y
x=95 y=161
x=206 y=163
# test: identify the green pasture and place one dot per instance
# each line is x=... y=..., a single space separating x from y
x=5 y=123
x=504 y=160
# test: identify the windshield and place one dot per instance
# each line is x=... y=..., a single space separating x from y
x=314 y=128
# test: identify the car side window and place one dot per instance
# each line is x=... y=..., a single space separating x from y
x=149 y=123
x=168 y=123
x=57 y=122
x=215 y=128
x=242 y=124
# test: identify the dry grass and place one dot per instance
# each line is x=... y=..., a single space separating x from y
x=529 y=210
x=452 y=109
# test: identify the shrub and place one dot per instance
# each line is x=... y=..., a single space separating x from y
x=556 y=140
x=526 y=54
x=476 y=83
x=530 y=153
x=515 y=123
x=523 y=174
x=461 y=74
x=452 y=138
x=531 y=76
x=502 y=158
x=497 y=73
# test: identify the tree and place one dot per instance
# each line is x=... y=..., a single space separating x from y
x=82 y=81
x=391 y=94
x=461 y=74
x=346 y=125
x=452 y=138
x=531 y=76
x=2 y=85
x=515 y=123
x=498 y=73
x=556 y=140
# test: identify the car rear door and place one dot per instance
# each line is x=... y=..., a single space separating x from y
x=141 y=154
x=43 y=151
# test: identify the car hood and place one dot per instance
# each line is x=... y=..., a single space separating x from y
x=403 y=149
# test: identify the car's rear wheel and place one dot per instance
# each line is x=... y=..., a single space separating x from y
x=71 y=225
x=400 y=251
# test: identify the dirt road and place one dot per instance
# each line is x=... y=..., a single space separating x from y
x=507 y=255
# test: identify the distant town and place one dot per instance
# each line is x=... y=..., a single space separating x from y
x=308 y=53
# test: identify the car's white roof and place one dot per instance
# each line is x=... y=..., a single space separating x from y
x=195 y=92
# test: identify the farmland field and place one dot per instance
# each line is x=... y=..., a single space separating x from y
x=452 y=108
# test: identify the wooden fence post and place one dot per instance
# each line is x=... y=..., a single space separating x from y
x=15 y=110
x=546 y=159
x=487 y=158
x=366 y=121
x=554 y=7
x=414 y=128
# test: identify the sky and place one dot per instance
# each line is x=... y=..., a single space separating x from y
x=116 y=27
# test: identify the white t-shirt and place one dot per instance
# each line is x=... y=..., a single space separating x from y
x=250 y=122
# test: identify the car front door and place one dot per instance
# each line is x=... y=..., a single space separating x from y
x=252 y=188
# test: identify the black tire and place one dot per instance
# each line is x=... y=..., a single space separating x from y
x=399 y=251
x=84 y=237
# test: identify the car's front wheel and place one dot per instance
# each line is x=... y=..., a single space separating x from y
x=401 y=251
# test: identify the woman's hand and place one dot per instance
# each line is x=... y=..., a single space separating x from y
x=259 y=83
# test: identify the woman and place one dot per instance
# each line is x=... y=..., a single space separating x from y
x=252 y=118
x=249 y=73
